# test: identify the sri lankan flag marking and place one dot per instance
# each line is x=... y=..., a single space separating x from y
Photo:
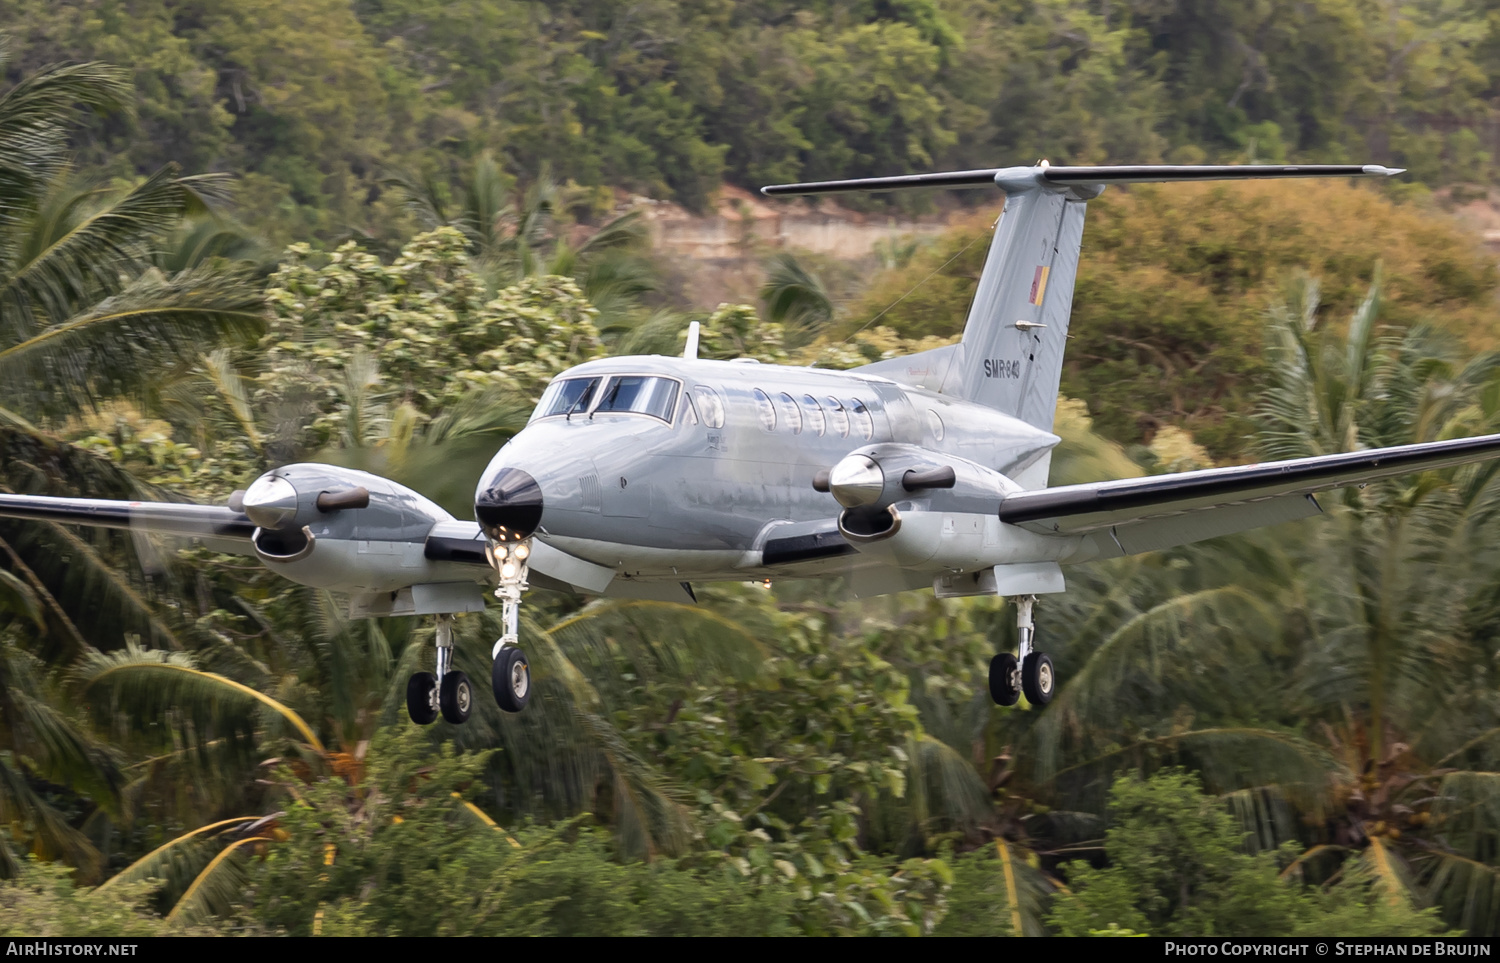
x=1039 y=284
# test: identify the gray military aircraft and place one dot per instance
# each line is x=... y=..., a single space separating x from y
x=638 y=476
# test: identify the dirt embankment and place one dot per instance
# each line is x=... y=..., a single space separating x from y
x=719 y=255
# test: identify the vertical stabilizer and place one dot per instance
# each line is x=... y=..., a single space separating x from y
x=1011 y=355
x=1017 y=329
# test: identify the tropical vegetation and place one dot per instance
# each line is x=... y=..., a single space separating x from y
x=1287 y=732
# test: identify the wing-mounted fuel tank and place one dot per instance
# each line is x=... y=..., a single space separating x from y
x=353 y=532
x=923 y=509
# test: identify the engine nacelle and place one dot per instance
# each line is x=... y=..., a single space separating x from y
x=923 y=509
x=347 y=531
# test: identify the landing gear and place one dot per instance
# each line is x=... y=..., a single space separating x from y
x=421 y=698
x=510 y=676
x=1038 y=680
x=511 y=679
x=1032 y=673
x=456 y=697
x=1005 y=679
x=447 y=692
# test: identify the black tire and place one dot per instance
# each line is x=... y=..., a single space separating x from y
x=456 y=697
x=419 y=690
x=1038 y=679
x=511 y=679
x=1003 y=682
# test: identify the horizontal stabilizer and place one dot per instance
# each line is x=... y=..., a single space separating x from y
x=1074 y=509
x=1138 y=174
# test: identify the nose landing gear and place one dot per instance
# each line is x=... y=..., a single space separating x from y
x=1031 y=673
x=510 y=676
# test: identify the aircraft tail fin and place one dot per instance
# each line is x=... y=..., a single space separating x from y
x=1011 y=355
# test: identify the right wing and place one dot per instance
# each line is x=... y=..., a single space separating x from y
x=1144 y=514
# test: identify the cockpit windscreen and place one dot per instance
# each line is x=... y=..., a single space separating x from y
x=641 y=394
x=569 y=396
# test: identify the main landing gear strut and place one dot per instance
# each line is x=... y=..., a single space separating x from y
x=1032 y=673
x=449 y=692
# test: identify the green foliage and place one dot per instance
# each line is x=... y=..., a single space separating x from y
x=1168 y=312
x=1177 y=868
x=44 y=902
x=377 y=865
x=315 y=101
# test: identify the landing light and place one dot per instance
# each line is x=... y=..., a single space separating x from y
x=522 y=551
x=500 y=552
x=508 y=570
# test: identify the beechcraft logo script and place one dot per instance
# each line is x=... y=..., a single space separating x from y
x=1039 y=284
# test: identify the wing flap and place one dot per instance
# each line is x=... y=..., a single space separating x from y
x=1074 y=509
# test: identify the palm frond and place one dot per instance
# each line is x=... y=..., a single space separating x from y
x=145 y=685
x=18 y=598
x=55 y=745
x=944 y=790
x=34 y=119
x=178 y=861
x=119 y=343
x=217 y=888
x=55 y=281
x=795 y=296
x=51 y=836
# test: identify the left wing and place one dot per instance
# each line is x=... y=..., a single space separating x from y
x=221 y=529
x=1142 y=514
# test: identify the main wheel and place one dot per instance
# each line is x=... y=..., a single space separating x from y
x=1038 y=679
x=1005 y=679
x=456 y=697
x=511 y=678
x=419 y=691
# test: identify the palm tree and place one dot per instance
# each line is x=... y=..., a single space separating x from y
x=85 y=315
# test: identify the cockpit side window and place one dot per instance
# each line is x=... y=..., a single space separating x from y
x=641 y=394
x=568 y=396
x=711 y=406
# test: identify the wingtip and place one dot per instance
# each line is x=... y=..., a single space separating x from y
x=1385 y=171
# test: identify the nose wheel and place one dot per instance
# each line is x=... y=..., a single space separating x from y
x=510 y=676
x=1032 y=673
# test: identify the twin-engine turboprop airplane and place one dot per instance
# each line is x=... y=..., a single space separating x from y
x=638 y=476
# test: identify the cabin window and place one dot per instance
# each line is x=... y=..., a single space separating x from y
x=789 y=410
x=814 y=414
x=838 y=418
x=711 y=406
x=935 y=424
x=864 y=422
x=766 y=409
x=568 y=396
x=642 y=395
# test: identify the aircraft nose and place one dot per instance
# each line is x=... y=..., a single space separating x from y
x=271 y=501
x=509 y=508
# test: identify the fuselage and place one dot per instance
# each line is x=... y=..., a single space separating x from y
x=719 y=454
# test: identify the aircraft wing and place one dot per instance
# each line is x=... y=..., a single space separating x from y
x=1144 y=514
x=221 y=529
